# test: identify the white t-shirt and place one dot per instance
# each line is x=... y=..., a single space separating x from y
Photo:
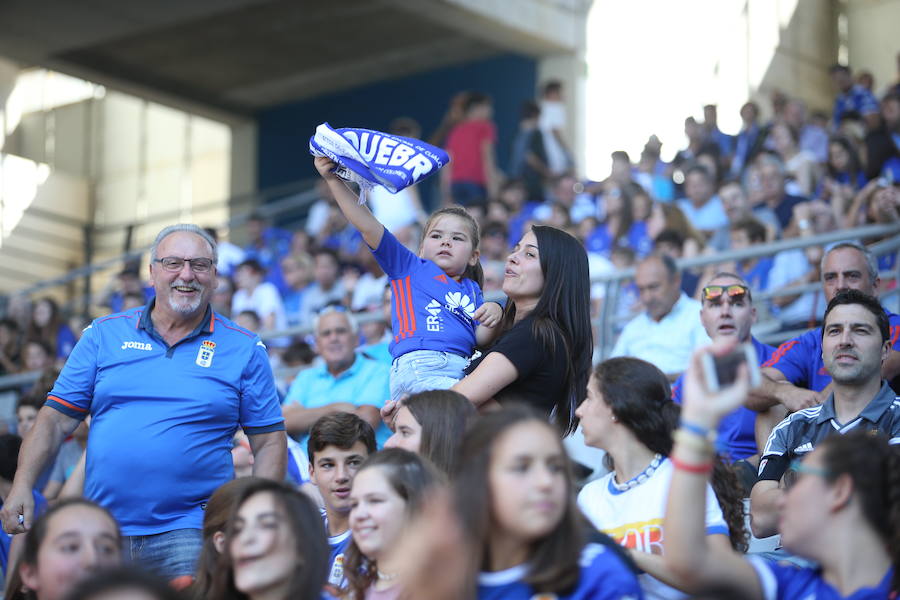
x=392 y=210
x=230 y=256
x=264 y=301
x=634 y=518
x=667 y=343
x=369 y=291
x=553 y=117
x=788 y=266
x=707 y=217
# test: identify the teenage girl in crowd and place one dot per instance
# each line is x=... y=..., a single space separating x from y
x=215 y=523
x=432 y=425
x=64 y=546
x=439 y=314
x=275 y=547
x=48 y=325
x=543 y=357
x=516 y=502
x=842 y=510
x=629 y=413
x=387 y=494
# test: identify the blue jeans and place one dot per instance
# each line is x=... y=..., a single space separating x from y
x=169 y=554
x=422 y=370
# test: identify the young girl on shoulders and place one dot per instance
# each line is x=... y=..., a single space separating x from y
x=438 y=314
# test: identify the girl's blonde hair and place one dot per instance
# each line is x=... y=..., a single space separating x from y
x=475 y=273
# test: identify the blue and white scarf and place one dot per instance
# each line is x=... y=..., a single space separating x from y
x=369 y=158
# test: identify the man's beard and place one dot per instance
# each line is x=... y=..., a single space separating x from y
x=186 y=307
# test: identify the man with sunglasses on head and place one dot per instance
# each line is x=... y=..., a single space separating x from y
x=727 y=312
x=855 y=343
x=166 y=386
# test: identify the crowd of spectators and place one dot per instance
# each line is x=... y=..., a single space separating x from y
x=795 y=174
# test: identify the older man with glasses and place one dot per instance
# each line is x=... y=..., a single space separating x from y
x=166 y=385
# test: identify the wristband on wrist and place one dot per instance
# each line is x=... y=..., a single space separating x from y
x=699 y=430
x=701 y=469
x=695 y=442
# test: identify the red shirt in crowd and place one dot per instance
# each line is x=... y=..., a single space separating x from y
x=465 y=144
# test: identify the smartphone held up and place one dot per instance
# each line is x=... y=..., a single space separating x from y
x=720 y=372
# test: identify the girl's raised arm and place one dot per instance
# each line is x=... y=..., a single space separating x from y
x=358 y=214
x=688 y=555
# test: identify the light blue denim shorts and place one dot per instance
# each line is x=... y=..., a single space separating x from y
x=422 y=370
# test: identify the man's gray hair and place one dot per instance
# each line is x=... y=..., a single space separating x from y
x=332 y=309
x=190 y=228
x=871 y=261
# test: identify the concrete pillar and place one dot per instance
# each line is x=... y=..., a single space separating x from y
x=8 y=72
x=872 y=41
x=570 y=69
x=243 y=158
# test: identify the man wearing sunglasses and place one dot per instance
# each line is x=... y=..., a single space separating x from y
x=166 y=385
x=727 y=312
x=855 y=343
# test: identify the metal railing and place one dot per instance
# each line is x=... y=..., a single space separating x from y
x=300 y=195
x=612 y=283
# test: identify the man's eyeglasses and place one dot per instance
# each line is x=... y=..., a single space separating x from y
x=175 y=264
x=734 y=291
x=797 y=469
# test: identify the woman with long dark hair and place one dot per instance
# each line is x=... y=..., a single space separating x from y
x=630 y=414
x=47 y=324
x=275 y=547
x=543 y=356
x=432 y=425
x=388 y=491
x=218 y=511
x=516 y=505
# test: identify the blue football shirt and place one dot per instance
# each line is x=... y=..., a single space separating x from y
x=800 y=359
x=737 y=430
x=163 y=417
x=430 y=310
x=603 y=577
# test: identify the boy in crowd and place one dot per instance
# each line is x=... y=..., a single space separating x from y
x=338 y=445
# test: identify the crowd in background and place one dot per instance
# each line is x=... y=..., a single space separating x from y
x=798 y=173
